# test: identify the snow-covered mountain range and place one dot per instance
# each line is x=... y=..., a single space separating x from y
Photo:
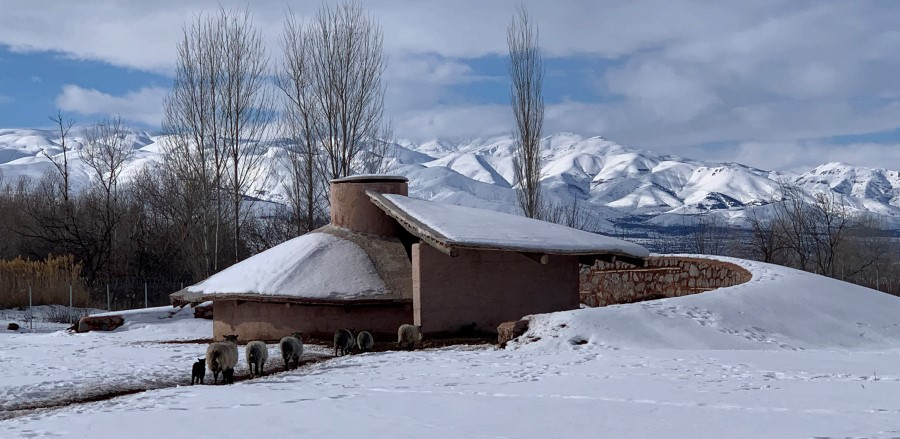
x=614 y=184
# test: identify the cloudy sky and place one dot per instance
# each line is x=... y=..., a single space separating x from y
x=773 y=84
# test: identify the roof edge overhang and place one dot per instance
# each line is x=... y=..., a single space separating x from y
x=450 y=247
x=303 y=300
x=371 y=178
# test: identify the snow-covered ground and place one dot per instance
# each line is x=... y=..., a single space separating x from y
x=788 y=354
x=42 y=318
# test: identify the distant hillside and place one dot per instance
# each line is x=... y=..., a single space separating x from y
x=612 y=182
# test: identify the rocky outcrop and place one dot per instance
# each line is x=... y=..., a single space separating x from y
x=99 y=323
x=510 y=330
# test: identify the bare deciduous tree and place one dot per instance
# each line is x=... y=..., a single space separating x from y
x=347 y=66
x=216 y=118
x=766 y=242
x=829 y=225
x=526 y=71
x=246 y=109
x=62 y=164
x=194 y=153
x=571 y=215
x=106 y=150
x=301 y=124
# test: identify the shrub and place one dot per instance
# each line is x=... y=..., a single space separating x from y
x=49 y=279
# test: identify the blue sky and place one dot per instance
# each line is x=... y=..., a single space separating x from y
x=32 y=82
x=773 y=84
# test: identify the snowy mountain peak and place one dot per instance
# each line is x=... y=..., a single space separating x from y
x=613 y=182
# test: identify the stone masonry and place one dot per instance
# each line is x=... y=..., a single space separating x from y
x=607 y=283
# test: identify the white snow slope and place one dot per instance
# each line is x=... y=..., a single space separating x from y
x=611 y=181
x=788 y=354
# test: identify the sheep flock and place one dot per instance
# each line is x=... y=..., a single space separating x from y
x=222 y=357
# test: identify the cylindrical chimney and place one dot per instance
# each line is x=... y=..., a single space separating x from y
x=352 y=209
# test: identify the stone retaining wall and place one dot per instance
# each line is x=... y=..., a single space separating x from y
x=607 y=283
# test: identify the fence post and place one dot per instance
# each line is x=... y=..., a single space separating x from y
x=30 y=310
x=145 y=294
x=71 y=311
x=108 y=308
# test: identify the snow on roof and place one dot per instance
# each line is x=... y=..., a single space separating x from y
x=455 y=226
x=369 y=178
x=313 y=266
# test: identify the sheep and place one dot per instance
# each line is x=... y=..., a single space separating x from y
x=365 y=341
x=198 y=372
x=343 y=341
x=256 y=353
x=409 y=335
x=222 y=357
x=291 y=350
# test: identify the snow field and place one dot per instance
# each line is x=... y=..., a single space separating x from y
x=48 y=370
x=485 y=392
x=779 y=308
x=788 y=354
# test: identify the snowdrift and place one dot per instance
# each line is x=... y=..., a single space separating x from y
x=779 y=308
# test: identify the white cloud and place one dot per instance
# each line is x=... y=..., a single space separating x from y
x=453 y=122
x=36 y=79
x=659 y=88
x=143 y=105
x=801 y=156
x=684 y=73
x=5 y=99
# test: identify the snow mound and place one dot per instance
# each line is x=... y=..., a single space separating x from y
x=315 y=266
x=779 y=308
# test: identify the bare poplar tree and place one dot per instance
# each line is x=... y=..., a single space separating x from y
x=246 y=109
x=301 y=124
x=347 y=67
x=217 y=118
x=526 y=71
x=193 y=151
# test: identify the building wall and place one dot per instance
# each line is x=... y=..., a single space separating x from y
x=606 y=283
x=487 y=288
x=352 y=209
x=271 y=320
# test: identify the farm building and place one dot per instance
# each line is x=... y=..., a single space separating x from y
x=387 y=259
